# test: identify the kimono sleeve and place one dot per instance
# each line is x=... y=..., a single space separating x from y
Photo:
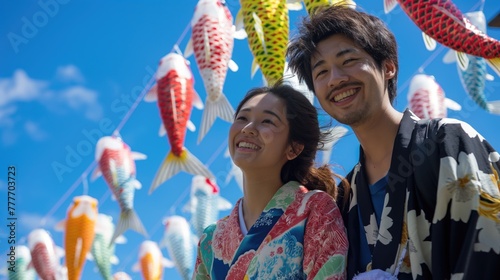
x=325 y=240
x=204 y=255
x=466 y=221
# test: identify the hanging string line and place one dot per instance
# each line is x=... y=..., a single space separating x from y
x=72 y=188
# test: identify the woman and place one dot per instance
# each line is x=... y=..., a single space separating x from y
x=286 y=226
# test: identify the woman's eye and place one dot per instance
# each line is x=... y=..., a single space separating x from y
x=267 y=121
x=241 y=118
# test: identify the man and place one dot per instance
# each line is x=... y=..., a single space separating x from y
x=423 y=202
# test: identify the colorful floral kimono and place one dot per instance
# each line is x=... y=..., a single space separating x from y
x=441 y=213
x=299 y=235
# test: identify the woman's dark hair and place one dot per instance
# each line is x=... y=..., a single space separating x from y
x=367 y=31
x=304 y=129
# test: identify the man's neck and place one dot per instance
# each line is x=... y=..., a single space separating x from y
x=377 y=136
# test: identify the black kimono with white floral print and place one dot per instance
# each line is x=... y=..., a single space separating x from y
x=441 y=208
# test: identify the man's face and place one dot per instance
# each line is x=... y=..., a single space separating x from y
x=347 y=82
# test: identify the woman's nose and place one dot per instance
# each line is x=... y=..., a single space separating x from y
x=249 y=128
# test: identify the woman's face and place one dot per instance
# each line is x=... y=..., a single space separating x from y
x=258 y=137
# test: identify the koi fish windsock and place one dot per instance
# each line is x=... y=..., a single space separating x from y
x=180 y=244
x=212 y=43
x=426 y=98
x=175 y=95
x=442 y=21
x=45 y=255
x=116 y=164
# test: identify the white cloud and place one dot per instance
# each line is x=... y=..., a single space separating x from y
x=20 y=88
x=34 y=131
x=6 y=115
x=29 y=221
x=69 y=73
x=83 y=99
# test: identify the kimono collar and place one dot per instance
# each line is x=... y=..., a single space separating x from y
x=385 y=240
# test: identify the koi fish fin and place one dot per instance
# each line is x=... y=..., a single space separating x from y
x=294 y=5
x=223 y=204
x=489 y=77
x=218 y=108
x=60 y=252
x=136 y=267
x=452 y=105
x=190 y=126
x=255 y=67
x=450 y=56
x=114 y=260
x=189 y=206
x=264 y=80
x=173 y=164
x=494 y=63
x=188 y=51
x=60 y=226
x=136 y=184
x=389 y=5
x=152 y=95
x=167 y=263
x=62 y=273
x=90 y=257
x=96 y=173
x=462 y=60
x=162 y=130
x=138 y=156
x=121 y=240
x=239 y=27
x=257 y=26
x=197 y=103
x=494 y=107
x=232 y=65
x=430 y=44
x=128 y=220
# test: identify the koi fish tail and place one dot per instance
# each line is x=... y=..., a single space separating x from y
x=128 y=220
x=218 y=108
x=174 y=164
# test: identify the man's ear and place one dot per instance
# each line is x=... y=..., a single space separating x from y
x=389 y=69
x=294 y=150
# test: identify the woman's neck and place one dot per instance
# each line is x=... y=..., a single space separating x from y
x=258 y=190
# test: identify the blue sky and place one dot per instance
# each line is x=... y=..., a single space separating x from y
x=74 y=70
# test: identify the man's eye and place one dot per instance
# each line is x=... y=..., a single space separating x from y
x=349 y=60
x=320 y=73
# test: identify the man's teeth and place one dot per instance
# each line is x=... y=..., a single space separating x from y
x=247 y=145
x=343 y=95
